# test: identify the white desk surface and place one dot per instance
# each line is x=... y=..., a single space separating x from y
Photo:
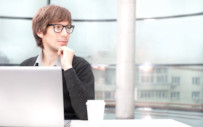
x=132 y=123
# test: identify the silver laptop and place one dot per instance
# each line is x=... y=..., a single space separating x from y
x=31 y=96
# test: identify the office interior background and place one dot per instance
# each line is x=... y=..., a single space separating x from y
x=168 y=51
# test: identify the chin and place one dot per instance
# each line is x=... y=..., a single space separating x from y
x=61 y=45
x=58 y=47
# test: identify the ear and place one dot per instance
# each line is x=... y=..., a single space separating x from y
x=40 y=34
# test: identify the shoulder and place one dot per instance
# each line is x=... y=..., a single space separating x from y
x=29 y=61
x=79 y=62
x=77 y=59
x=83 y=69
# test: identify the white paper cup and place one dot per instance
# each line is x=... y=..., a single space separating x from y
x=95 y=112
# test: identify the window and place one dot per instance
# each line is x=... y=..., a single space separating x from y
x=110 y=74
x=107 y=95
x=161 y=94
x=99 y=94
x=162 y=79
x=175 y=95
x=145 y=94
x=196 y=95
x=196 y=80
x=146 y=79
x=161 y=70
x=175 y=80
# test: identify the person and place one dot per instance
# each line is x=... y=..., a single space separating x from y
x=52 y=26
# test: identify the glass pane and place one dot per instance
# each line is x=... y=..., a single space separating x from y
x=20 y=8
x=155 y=8
x=16 y=42
x=170 y=41
x=95 y=42
x=90 y=9
x=107 y=9
x=158 y=99
x=163 y=91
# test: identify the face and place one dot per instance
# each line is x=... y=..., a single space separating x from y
x=53 y=41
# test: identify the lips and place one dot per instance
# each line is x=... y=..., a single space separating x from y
x=62 y=42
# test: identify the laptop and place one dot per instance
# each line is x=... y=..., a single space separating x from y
x=31 y=96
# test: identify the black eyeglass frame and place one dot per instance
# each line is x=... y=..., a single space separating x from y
x=66 y=27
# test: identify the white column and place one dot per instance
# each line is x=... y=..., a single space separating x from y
x=125 y=72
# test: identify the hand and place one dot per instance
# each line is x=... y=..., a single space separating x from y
x=66 y=57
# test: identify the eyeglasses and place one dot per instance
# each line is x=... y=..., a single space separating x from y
x=58 y=28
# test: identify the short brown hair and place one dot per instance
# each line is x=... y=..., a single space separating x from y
x=46 y=15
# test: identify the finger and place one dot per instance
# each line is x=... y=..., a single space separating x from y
x=60 y=52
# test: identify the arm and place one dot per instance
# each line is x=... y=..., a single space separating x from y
x=79 y=80
x=80 y=84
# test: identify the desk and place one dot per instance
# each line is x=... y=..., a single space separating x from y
x=133 y=123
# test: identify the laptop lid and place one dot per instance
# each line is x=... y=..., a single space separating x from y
x=31 y=96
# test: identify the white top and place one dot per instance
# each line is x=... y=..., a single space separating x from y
x=40 y=63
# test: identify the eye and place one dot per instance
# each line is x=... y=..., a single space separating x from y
x=68 y=27
x=58 y=27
